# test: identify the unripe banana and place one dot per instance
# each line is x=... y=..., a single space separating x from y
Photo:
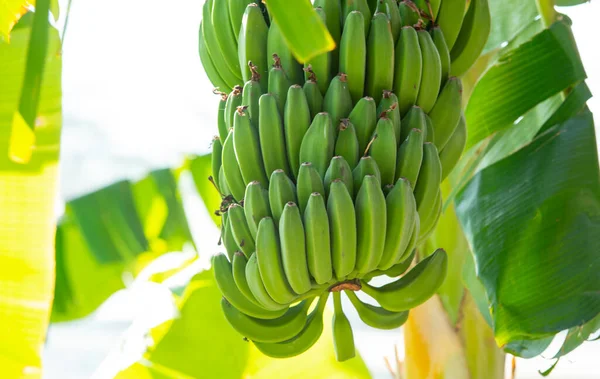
x=256 y=206
x=236 y=13
x=371 y=216
x=339 y=169
x=231 y=169
x=303 y=341
x=450 y=19
x=383 y=149
x=223 y=186
x=346 y=144
x=278 y=83
x=353 y=54
x=412 y=244
x=333 y=20
x=472 y=37
x=271 y=135
x=313 y=94
x=430 y=7
x=414 y=119
x=309 y=181
x=251 y=96
x=225 y=282
x=410 y=156
x=390 y=8
x=337 y=101
x=430 y=223
x=247 y=148
x=450 y=154
x=276 y=44
x=321 y=64
x=217 y=151
x=413 y=288
x=342 y=226
x=225 y=37
x=380 y=57
x=234 y=100
x=440 y=43
x=428 y=184
x=227 y=237
x=400 y=268
x=343 y=339
x=221 y=122
x=240 y=230
x=357 y=5
x=446 y=112
x=296 y=121
x=277 y=330
x=432 y=66
x=252 y=44
x=318 y=245
x=408 y=68
x=270 y=263
x=318 y=143
x=281 y=191
x=257 y=286
x=209 y=66
x=238 y=269
x=401 y=214
x=377 y=317
x=364 y=119
x=293 y=249
x=409 y=13
x=366 y=166
x=430 y=135
x=389 y=103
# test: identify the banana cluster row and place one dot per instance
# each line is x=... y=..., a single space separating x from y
x=409 y=47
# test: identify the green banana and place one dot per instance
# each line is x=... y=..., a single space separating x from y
x=321 y=64
x=339 y=169
x=377 y=317
x=432 y=65
x=472 y=37
x=400 y=268
x=430 y=7
x=271 y=135
x=366 y=166
x=209 y=66
x=225 y=37
x=270 y=263
x=318 y=143
x=296 y=121
x=234 y=100
x=408 y=68
x=225 y=282
x=414 y=119
x=451 y=153
x=278 y=83
x=293 y=249
x=390 y=8
x=346 y=144
x=401 y=214
x=440 y=43
x=429 y=224
x=271 y=331
x=217 y=152
x=410 y=156
x=301 y=342
x=389 y=104
x=316 y=227
x=430 y=131
x=383 y=149
x=428 y=184
x=364 y=119
x=353 y=54
x=252 y=44
x=256 y=206
x=251 y=96
x=227 y=237
x=276 y=44
x=409 y=13
x=281 y=191
x=309 y=181
x=342 y=227
x=446 y=112
x=240 y=229
x=231 y=169
x=337 y=101
x=371 y=216
x=333 y=20
x=380 y=57
x=412 y=244
x=247 y=148
x=343 y=339
x=257 y=286
x=222 y=184
x=221 y=123
x=314 y=97
x=238 y=269
x=450 y=19
x=414 y=288
x=357 y=5
x=236 y=13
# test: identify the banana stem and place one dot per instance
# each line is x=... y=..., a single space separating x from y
x=547 y=11
x=337 y=302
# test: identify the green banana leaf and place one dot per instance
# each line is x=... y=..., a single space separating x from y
x=186 y=348
x=531 y=219
x=510 y=18
x=27 y=195
x=201 y=169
